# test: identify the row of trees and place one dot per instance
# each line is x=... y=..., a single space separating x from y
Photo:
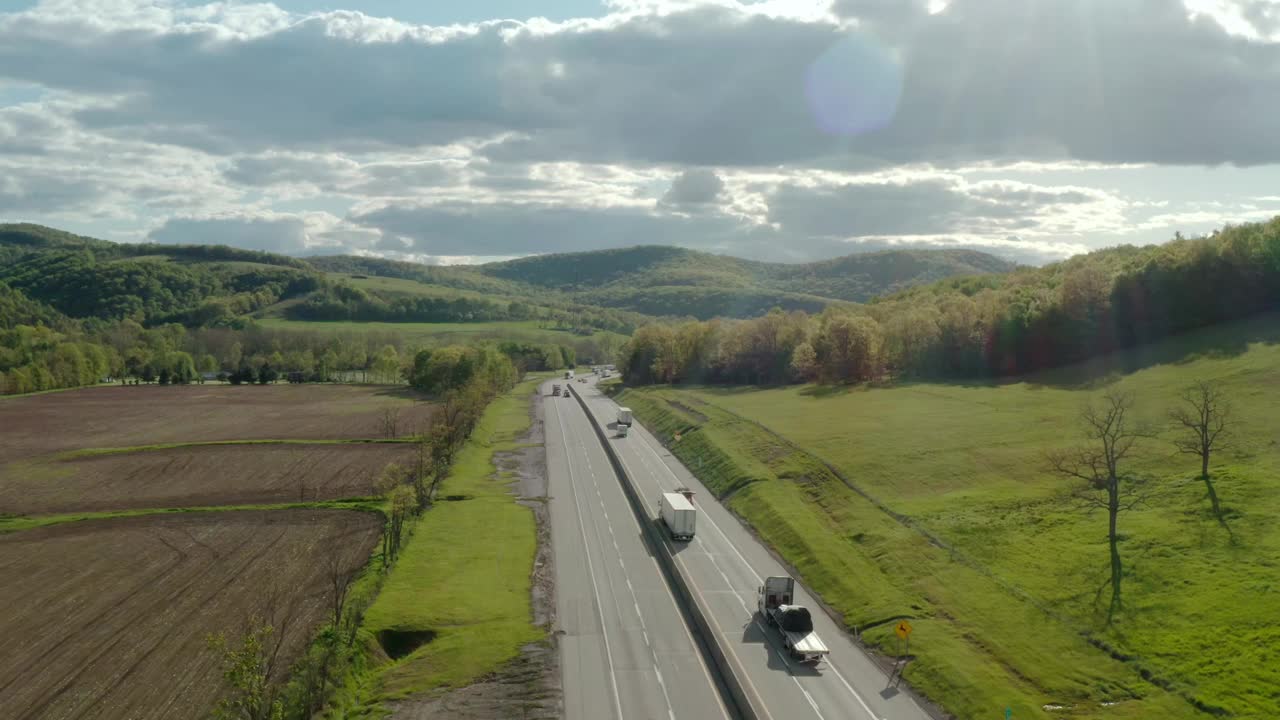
x=73 y=353
x=250 y=670
x=987 y=326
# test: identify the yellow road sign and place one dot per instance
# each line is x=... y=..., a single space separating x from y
x=903 y=629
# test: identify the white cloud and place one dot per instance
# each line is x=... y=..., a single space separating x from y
x=787 y=128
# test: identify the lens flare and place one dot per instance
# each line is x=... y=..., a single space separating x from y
x=854 y=87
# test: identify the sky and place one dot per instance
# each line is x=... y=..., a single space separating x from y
x=782 y=130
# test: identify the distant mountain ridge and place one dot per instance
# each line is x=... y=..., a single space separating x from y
x=648 y=278
x=202 y=283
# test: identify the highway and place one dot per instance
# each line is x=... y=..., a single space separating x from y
x=726 y=564
x=626 y=652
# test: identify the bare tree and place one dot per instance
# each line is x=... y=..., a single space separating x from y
x=390 y=422
x=421 y=470
x=1111 y=434
x=1204 y=417
x=338 y=574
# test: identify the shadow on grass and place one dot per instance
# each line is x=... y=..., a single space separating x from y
x=402 y=392
x=1211 y=343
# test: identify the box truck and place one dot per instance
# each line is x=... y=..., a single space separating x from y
x=678 y=515
x=624 y=416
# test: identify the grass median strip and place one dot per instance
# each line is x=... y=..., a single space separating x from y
x=462 y=584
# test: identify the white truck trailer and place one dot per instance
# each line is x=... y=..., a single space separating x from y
x=794 y=622
x=568 y=374
x=678 y=515
x=624 y=421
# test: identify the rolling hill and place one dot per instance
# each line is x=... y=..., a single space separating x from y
x=654 y=279
x=613 y=290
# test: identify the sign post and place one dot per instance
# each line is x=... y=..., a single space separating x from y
x=903 y=631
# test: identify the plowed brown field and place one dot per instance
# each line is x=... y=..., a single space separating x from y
x=199 y=476
x=107 y=619
x=121 y=416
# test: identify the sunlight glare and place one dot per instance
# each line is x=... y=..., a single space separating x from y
x=854 y=87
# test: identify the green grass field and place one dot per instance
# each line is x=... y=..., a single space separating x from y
x=437 y=334
x=465 y=573
x=1005 y=605
x=402 y=286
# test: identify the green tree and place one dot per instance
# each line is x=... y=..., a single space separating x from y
x=246 y=671
x=386 y=365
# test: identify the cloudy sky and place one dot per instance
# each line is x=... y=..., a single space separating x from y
x=449 y=131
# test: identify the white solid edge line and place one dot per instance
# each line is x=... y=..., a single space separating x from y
x=644 y=436
x=635 y=603
x=613 y=679
x=693 y=643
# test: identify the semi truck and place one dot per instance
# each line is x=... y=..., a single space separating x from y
x=568 y=374
x=555 y=389
x=678 y=515
x=624 y=421
x=794 y=623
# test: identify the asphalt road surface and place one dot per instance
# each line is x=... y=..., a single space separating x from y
x=726 y=565
x=625 y=649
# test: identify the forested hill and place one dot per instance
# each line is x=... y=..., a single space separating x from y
x=84 y=278
x=648 y=278
x=204 y=285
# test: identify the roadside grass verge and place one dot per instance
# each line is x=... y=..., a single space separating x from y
x=972 y=638
x=464 y=575
x=963 y=528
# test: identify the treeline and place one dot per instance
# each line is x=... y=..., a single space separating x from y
x=442 y=370
x=66 y=354
x=996 y=325
x=254 y=685
x=40 y=349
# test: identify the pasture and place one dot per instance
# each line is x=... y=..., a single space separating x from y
x=439 y=334
x=936 y=502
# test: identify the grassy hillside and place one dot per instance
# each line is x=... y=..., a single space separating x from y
x=417 y=335
x=935 y=501
x=703 y=285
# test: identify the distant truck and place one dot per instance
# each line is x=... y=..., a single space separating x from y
x=568 y=374
x=678 y=515
x=793 y=621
